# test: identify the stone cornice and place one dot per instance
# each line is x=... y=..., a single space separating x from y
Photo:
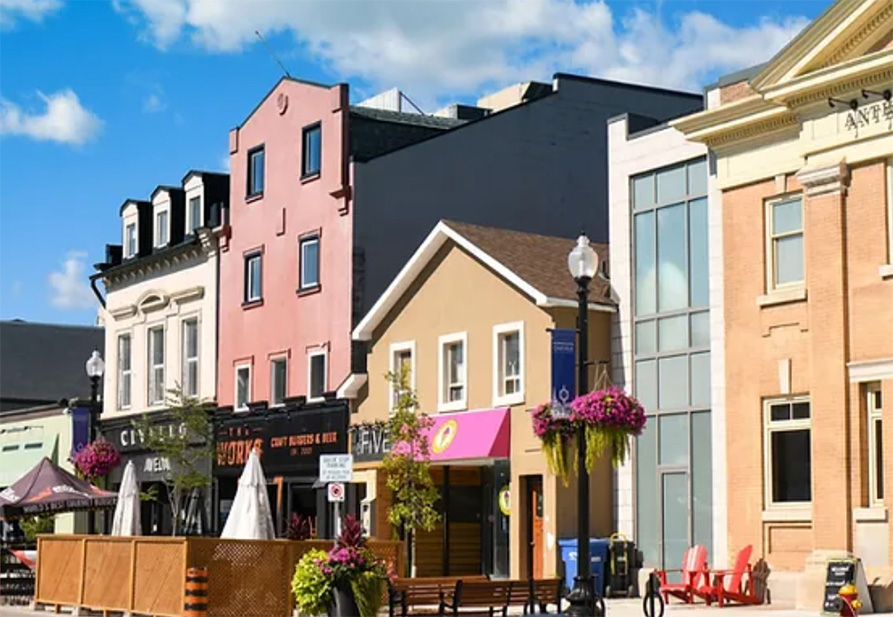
x=864 y=37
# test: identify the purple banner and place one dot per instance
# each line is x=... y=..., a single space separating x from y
x=80 y=428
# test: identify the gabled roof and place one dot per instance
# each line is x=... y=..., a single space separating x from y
x=199 y=172
x=44 y=363
x=135 y=202
x=534 y=264
x=846 y=30
x=273 y=89
x=165 y=188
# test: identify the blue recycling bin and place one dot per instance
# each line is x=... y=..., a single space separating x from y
x=598 y=556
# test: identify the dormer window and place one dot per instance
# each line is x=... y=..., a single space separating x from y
x=130 y=240
x=161 y=229
x=195 y=213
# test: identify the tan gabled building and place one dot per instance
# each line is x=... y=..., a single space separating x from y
x=803 y=151
x=470 y=314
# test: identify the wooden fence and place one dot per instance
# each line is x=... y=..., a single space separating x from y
x=145 y=575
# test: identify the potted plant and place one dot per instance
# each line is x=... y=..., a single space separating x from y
x=345 y=582
x=96 y=459
x=608 y=417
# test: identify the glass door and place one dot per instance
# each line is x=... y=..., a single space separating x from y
x=675 y=524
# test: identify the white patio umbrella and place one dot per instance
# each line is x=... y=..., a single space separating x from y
x=250 y=517
x=127 y=512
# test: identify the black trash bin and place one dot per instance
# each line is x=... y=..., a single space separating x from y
x=622 y=573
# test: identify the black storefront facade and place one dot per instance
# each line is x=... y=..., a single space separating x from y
x=151 y=471
x=290 y=440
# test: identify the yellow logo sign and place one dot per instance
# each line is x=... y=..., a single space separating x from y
x=505 y=500
x=444 y=436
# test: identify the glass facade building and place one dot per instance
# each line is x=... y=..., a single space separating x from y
x=671 y=352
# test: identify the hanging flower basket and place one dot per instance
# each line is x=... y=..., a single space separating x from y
x=96 y=459
x=557 y=436
x=609 y=417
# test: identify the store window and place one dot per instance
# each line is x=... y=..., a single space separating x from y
x=784 y=244
x=453 y=372
x=508 y=364
x=278 y=381
x=874 y=405
x=316 y=377
x=156 y=365
x=402 y=362
x=243 y=387
x=125 y=360
x=190 y=357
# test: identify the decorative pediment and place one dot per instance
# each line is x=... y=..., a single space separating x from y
x=849 y=30
x=152 y=301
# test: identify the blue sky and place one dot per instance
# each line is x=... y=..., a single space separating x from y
x=102 y=101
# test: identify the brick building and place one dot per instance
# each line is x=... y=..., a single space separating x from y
x=803 y=149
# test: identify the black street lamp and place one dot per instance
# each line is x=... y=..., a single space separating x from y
x=583 y=265
x=95 y=368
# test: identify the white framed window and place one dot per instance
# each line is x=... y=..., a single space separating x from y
x=787 y=451
x=874 y=406
x=784 y=243
x=130 y=240
x=508 y=363
x=253 y=277
x=890 y=211
x=194 y=213
x=243 y=387
x=190 y=357
x=452 y=373
x=317 y=377
x=402 y=358
x=156 y=365
x=278 y=381
x=161 y=228
x=309 y=265
x=125 y=370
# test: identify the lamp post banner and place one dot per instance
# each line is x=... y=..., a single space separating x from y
x=80 y=428
x=563 y=364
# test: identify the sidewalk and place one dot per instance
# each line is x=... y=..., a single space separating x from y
x=615 y=608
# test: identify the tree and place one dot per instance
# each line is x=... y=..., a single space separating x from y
x=407 y=465
x=185 y=445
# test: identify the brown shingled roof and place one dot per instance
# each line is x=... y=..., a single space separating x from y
x=539 y=260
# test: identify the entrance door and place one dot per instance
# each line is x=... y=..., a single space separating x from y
x=675 y=523
x=535 y=522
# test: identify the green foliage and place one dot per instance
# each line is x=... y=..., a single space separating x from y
x=407 y=465
x=34 y=525
x=187 y=449
x=367 y=593
x=312 y=588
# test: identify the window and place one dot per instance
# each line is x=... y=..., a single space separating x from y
x=156 y=366
x=875 y=444
x=124 y=371
x=890 y=211
x=243 y=386
x=130 y=240
x=256 y=171
x=278 y=381
x=195 y=213
x=787 y=451
x=312 y=151
x=785 y=242
x=402 y=360
x=190 y=357
x=452 y=373
x=316 y=374
x=253 y=278
x=508 y=367
x=309 y=262
x=161 y=228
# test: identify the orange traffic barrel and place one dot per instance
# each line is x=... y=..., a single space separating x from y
x=195 y=594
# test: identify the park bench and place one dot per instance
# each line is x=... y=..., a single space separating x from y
x=413 y=596
x=544 y=592
x=496 y=597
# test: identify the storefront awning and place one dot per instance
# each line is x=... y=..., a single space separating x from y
x=465 y=435
x=19 y=457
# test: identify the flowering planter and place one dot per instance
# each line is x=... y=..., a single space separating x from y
x=609 y=419
x=96 y=459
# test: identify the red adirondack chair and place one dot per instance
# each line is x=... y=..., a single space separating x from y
x=694 y=571
x=736 y=585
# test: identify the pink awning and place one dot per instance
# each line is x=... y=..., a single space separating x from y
x=470 y=435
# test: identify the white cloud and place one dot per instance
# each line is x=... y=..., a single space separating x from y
x=224 y=163
x=64 y=120
x=69 y=285
x=154 y=104
x=438 y=49
x=33 y=10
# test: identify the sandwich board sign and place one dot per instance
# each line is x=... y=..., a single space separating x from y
x=335 y=468
x=840 y=572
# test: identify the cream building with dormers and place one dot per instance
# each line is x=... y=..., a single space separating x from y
x=804 y=164
x=160 y=315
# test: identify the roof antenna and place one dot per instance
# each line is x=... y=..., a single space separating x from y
x=282 y=66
